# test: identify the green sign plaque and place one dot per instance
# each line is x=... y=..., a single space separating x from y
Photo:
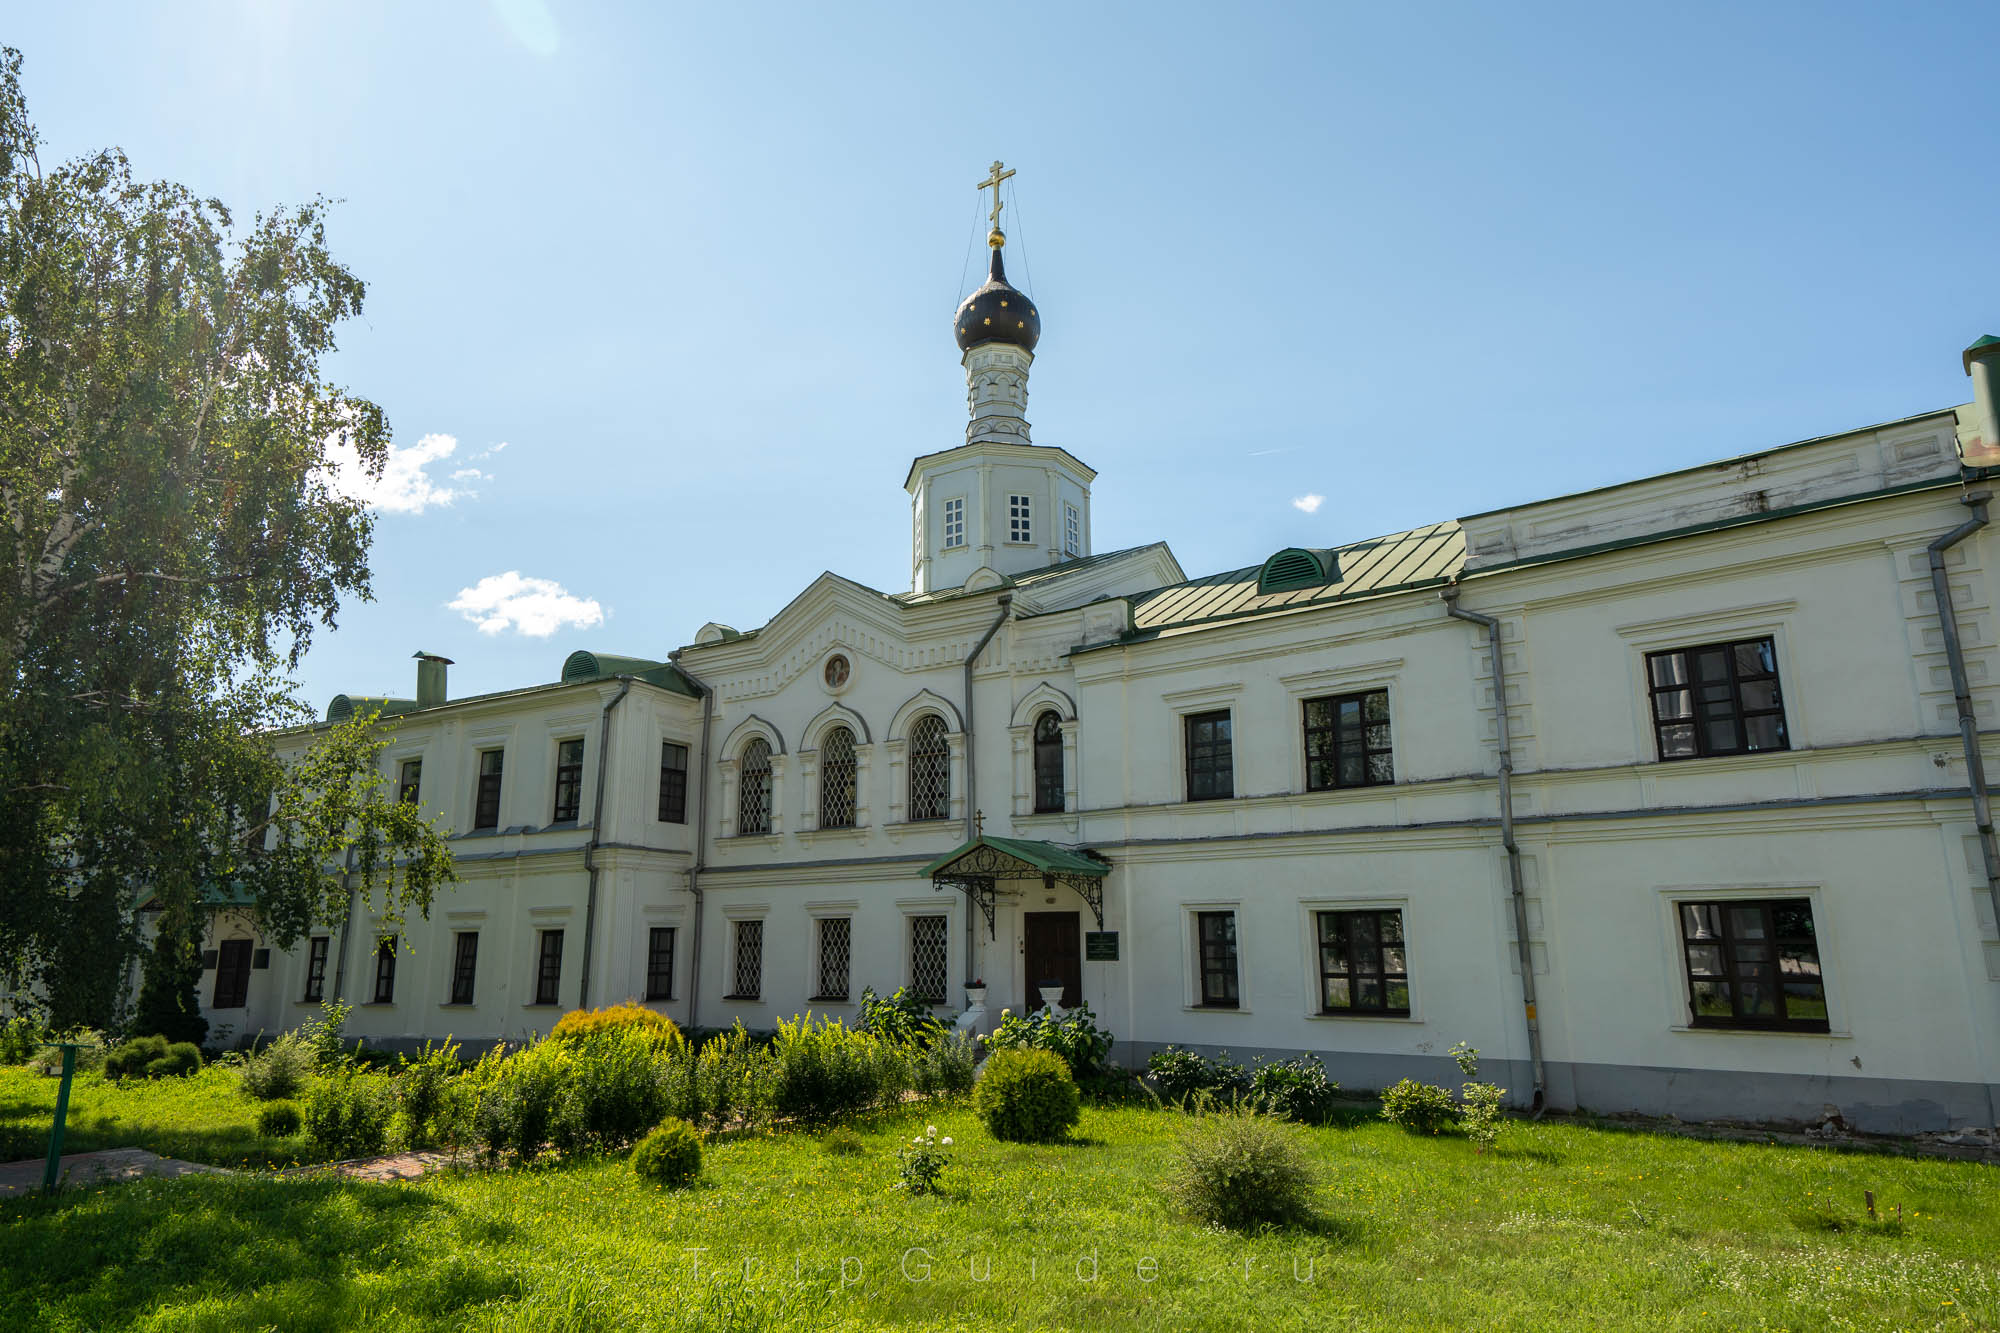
x=1100 y=946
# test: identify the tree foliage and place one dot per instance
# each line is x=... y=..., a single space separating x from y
x=171 y=535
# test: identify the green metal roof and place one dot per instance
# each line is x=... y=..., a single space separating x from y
x=345 y=706
x=1386 y=564
x=584 y=665
x=1047 y=858
x=1988 y=341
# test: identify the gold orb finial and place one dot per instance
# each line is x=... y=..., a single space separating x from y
x=996 y=238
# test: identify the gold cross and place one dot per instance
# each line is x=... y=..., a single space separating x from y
x=992 y=182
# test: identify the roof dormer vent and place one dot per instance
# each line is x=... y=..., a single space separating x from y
x=1296 y=567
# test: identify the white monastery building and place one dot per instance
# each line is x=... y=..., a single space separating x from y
x=1668 y=796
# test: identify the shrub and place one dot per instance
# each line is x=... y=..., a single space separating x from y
x=1180 y=1074
x=1295 y=1089
x=1026 y=1096
x=728 y=1081
x=424 y=1096
x=347 y=1114
x=322 y=1033
x=20 y=1038
x=821 y=1071
x=279 y=1120
x=1240 y=1168
x=1074 y=1036
x=152 y=1057
x=945 y=1068
x=669 y=1156
x=1420 y=1108
x=903 y=1018
x=280 y=1070
x=840 y=1141
x=923 y=1161
x=1480 y=1112
x=583 y=1024
x=613 y=1091
x=182 y=1057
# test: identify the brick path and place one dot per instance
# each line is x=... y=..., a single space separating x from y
x=81 y=1170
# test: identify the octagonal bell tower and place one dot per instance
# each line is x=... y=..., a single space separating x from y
x=998 y=502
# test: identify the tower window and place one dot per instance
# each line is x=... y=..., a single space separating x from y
x=1020 y=528
x=1072 y=531
x=954 y=522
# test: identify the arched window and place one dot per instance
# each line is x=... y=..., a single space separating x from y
x=753 y=802
x=930 y=769
x=836 y=779
x=1048 y=763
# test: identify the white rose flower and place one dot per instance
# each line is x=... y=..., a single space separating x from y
x=947 y=1140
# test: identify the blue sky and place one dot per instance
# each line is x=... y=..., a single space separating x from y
x=694 y=266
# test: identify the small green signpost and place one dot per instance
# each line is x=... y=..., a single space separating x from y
x=68 y=1048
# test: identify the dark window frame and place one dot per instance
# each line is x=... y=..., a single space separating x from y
x=822 y=973
x=1703 y=714
x=754 y=925
x=410 y=781
x=568 y=806
x=385 y=970
x=928 y=780
x=1218 y=958
x=660 y=962
x=1737 y=972
x=464 y=965
x=548 y=967
x=317 y=949
x=1354 y=944
x=1208 y=755
x=236 y=978
x=486 y=788
x=754 y=818
x=673 y=783
x=1331 y=742
x=1047 y=751
x=839 y=778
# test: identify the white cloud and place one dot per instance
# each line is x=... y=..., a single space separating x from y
x=404 y=486
x=485 y=454
x=1308 y=504
x=534 y=607
x=471 y=474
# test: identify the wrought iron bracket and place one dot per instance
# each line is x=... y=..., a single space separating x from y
x=1090 y=888
x=979 y=890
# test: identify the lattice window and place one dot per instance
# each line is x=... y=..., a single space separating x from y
x=836 y=941
x=954 y=522
x=837 y=781
x=749 y=961
x=753 y=801
x=1072 y=530
x=1020 y=526
x=1048 y=764
x=928 y=957
x=930 y=769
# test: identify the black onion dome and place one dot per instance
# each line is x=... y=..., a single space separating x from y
x=997 y=313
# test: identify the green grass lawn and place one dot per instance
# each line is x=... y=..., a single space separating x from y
x=200 y=1118
x=1564 y=1226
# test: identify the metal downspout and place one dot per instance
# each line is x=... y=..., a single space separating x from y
x=700 y=838
x=597 y=836
x=972 y=769
x=1520 y=897
x=1961 y=689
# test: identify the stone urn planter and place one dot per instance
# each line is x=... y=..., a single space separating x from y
x=975 y=996
x=1051 y=993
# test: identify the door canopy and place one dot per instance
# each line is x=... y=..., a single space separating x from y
x=978 y=866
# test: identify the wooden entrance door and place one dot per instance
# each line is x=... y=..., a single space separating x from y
x=1052 y=944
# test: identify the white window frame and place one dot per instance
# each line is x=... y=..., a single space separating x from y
x=737 y=919
x=1309 y=910
x=1020 y=520
x=817 y=914
x=953 y=517
x=1191 y=957
x=1678 y=998
x=1072 y=530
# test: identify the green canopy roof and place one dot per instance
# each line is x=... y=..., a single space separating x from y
x=1044 y=858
